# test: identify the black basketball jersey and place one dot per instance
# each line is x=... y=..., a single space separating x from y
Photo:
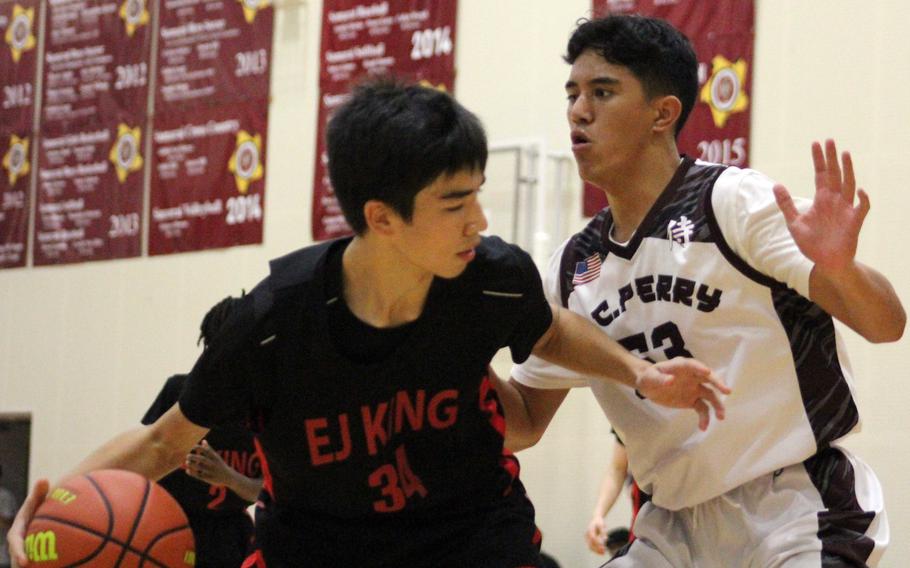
x=397 y=462
x=233 y=442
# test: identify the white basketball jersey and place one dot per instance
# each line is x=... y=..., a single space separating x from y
x=712 y=273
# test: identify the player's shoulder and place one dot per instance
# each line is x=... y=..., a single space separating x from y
x=590 y=239
x=175 y=383
x=299 y=266
x=493 y=250
x=499 y=261
x=734 y=180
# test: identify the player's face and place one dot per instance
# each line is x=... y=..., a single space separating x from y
x=446 y=225
x=609 y=117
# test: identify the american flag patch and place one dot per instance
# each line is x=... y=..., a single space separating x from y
x=586 y=270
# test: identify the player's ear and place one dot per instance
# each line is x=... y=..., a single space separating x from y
x=380 y=218
x=667 y=109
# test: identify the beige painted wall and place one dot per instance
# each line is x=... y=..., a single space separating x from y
x=85 y=348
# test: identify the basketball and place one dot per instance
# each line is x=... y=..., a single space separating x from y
x=110 y=518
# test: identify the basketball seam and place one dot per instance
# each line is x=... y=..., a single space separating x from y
x=105 y=540
x=129 y=539
x=145 y=553
x=110 y=522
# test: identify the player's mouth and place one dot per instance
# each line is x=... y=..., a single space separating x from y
x=580 y=141
x=468 y=255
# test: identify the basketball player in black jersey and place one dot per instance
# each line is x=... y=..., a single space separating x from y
x=362 y=362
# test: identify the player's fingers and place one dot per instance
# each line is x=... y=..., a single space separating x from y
x=712 y=399
x=684 y=364
x=834 y=173
x=717 y=383
x=594 y=544
x=16 y=534
x=849 y=188
x=818 y=159
x=863 y=206
x=785 y=203
x=704 y=415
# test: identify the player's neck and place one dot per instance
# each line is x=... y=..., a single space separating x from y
x=380 y=289
x=635 y=191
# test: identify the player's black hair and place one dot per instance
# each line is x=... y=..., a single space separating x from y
x=658 y=54
x=215 y=318
x=391 y=139
x=617 y=537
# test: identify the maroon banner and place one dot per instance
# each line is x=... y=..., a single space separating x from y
x=723 y=35
x=211 y=118
x=211 y=161
x=94 y=99
x=18 y=68
x=412 y=39
x=213 y=51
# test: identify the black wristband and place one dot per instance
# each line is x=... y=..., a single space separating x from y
x=639 y=395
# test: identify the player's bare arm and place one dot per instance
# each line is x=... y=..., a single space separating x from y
x=575 y=343
x=610 y=487
x=153 y=451
x=528 y=411
x=828 y=234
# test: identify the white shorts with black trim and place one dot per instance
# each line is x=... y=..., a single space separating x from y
x=827 y=511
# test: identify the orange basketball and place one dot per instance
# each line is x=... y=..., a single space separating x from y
x=110 y=518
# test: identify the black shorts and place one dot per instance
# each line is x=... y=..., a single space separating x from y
x=491 y=536
x=222 y=540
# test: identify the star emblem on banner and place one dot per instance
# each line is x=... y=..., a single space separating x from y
x=16 y=159
x=723 y=91
x=125 y=151
x=134 y=14
x=245 y=163
x=250 y=7
x=19 y=34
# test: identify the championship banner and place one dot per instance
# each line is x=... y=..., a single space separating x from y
x=211 y=118
x=93 y=117
x=723 y=35
x=213 y=52
x=18 y=67
x=412 y=39
x=212 y=162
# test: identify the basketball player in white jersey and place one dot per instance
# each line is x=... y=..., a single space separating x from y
x=719 y=263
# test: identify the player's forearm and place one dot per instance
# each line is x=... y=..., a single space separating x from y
x=247 y=488
x=861 y=298
x=139 y=450
x=520 y=432
x=577 y=344
x=609 y=492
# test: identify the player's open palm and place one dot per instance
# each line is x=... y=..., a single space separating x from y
x=828 y=232
x=684 y=383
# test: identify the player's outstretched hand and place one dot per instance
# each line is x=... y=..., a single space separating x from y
x=206 y=465
x=15 y=538
x=684 y=383
x=828 y=232
x=596 y=535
